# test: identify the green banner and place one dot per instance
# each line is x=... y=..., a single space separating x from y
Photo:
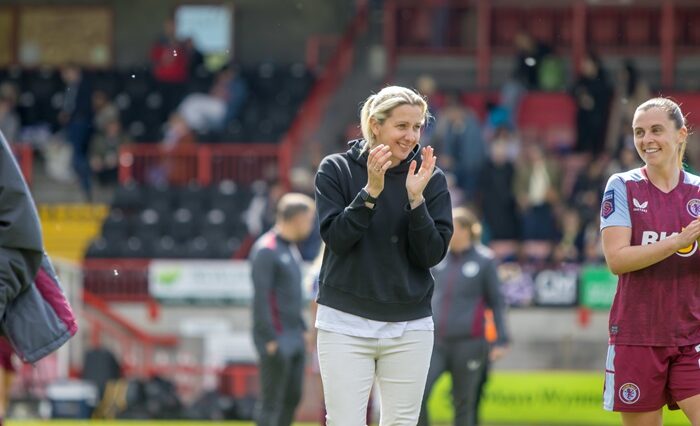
x=597 y=287
x=538 y=398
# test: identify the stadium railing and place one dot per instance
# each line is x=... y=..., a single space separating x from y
x=138 y=350
x=205 y=164
x=667 y=30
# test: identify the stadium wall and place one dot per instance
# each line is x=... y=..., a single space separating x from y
x=263 y=30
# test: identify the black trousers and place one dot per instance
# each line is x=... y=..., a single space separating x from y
x=281 y=381
x=465 y=360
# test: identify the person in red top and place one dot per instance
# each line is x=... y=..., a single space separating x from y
x=650 y=231
x=170 y=65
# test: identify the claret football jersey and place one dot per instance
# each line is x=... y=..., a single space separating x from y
x=658 y=305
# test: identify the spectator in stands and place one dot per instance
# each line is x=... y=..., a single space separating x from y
x=498 y=203
x=386 y=220
x=9 y=118
x=104 y=151
x=592 y=93
x=77 y=117
x=197 y=66
x=529 y=56
x=536 y=189
x=570 y=247
x=178 y=138
x=592 y=246
x=427 y=87
x=170 y=66
x=626 y=159
x=459 y=142
x=278 y=324
x=104 y=110
x=589 y=184
x=465 y=283
x=177 y=133
x=211 y=112
x=630 y=90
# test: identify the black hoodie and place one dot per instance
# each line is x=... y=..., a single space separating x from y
x=377 y=261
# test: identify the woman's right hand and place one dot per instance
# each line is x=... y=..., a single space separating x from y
x=378 y=163
x=689 y=235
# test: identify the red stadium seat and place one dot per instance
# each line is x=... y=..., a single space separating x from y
x=551 y=115
x=477 y=101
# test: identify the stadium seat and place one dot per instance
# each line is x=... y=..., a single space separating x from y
x=129 y=197
x=116 y=225
x=182 y=226
x=101 y=248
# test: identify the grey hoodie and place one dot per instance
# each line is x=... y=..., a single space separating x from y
x=36 y=316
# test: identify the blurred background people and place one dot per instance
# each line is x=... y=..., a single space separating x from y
x=466 y=283
x=77 y=119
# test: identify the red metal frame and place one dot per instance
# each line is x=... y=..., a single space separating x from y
x=205 y=164
x=130 y=338
x=315 y=45
x=666 y=40
x=307 y=121
x=123 y=280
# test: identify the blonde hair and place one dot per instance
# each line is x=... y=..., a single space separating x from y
x=380 y=105
x=674 y=114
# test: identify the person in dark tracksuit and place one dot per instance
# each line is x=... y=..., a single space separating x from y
x=466 y=284
x=278 y=326
x=77 y=117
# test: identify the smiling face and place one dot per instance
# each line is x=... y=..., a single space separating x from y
x=656 y=137
x=400 y=131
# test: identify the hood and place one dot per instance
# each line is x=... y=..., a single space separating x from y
x=359 y=154
x=19 y=221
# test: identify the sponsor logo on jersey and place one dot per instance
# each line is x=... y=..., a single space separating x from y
x=629 y=393
x=693 y=207
x=608 y=206
x=650 y=237
x=639 y=207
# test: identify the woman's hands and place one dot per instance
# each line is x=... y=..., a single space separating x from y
x=378 y=163
x=689 y=235
x=417 y=181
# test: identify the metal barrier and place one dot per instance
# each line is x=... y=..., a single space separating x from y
x=205 y=164
x=124 y=280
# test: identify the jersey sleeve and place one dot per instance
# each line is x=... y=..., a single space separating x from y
x=614 y=210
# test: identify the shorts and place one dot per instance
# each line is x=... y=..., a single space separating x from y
x=645 y=378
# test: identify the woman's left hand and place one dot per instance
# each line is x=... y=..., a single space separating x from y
x=417 y=181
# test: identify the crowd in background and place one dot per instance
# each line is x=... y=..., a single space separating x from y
x=86 y=128
x=539 y=204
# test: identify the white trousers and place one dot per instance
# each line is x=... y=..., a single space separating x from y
x=349 y=366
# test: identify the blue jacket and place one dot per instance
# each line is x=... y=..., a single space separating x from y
x=36 y=316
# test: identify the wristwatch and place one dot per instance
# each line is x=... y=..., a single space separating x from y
x=364 y=195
